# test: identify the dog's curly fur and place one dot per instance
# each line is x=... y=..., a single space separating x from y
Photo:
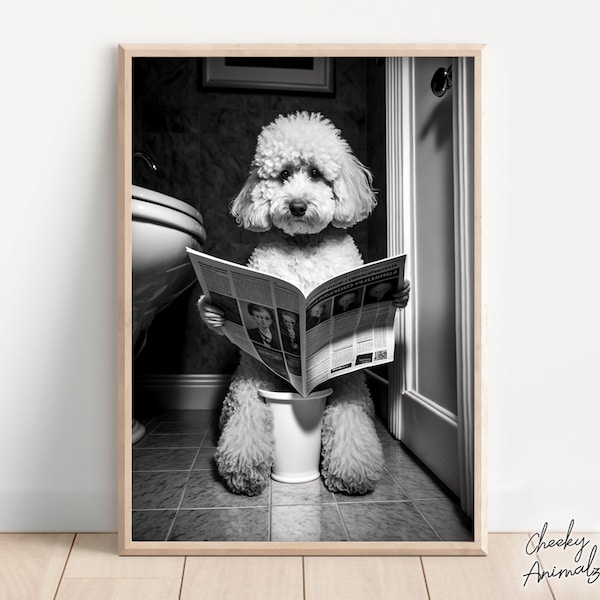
x=304 y=189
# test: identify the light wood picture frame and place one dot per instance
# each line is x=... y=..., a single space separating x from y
x=427 y=159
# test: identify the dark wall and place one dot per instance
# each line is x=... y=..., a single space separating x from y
x=203 y=143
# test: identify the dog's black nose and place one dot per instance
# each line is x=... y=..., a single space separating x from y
x=297 y=208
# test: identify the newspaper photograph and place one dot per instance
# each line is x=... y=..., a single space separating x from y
x=343 y=325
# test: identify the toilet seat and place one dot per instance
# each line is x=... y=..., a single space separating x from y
x=154 y=207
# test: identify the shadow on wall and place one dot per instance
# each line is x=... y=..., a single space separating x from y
x=439 y=124
x=203 y=143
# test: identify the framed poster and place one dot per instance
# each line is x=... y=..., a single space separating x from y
x=386 y=162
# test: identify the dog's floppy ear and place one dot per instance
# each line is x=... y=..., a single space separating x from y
x=355 y=197
x=251 y=206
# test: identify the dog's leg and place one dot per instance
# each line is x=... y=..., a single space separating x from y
x=351 y=455
x=245 y=450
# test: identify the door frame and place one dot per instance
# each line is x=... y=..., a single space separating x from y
x=452 y=456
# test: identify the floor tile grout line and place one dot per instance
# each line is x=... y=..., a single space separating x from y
x=337 y=504
x=397 y=481
x=64 y=569
x=288 y=504
x=428 y=498
x=154 y=422
x=172 y=524
x=425 y=578
x=370 y=502
x=184 y=509
x=427 y=521
x=412 y=464
x=193 y=508
x=173 y=447
x=270 y=519
x=190 y=471
x=196 y=508
x=416 y=499
x=153 y=449
x=203 y=434
x=165 y=470
x=173 y=434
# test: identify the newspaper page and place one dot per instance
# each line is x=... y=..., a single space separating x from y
x=350 y=320
x=345 y=324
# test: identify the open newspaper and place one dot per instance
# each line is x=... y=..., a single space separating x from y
x=345 y=324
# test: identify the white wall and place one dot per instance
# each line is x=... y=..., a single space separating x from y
x=58 y=317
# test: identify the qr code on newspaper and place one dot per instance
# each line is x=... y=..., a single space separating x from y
x=381 y=355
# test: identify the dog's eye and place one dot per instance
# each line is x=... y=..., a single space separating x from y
x=315 y=173
x=284 y=175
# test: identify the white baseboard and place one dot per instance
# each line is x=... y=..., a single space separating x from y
x=197 y=392
x=183 y=392
x=84 y=506
x=437 y=449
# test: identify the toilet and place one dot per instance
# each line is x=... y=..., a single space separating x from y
x=162 y=228
x=297 y=422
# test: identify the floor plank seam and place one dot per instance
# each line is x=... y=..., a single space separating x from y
x=62 y=575
x=304 y=578
x=548 y=585
x=425 y=578
x=182 y=578
x=539 y=559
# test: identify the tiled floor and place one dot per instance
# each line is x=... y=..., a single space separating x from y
x=177 y=495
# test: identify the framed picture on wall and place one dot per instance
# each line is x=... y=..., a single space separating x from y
x=380 y=158
x=296 y=74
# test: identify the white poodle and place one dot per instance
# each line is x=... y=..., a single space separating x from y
x=305 y=189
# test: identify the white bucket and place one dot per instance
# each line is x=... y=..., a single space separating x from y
x=297 y=428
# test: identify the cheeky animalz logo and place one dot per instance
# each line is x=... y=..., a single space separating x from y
x=581 y=563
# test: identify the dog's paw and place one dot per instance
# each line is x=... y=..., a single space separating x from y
x=352 y=458
x=242 y=477
x=245 y=454
x=352 y=475
x=348 y=485
x=212 y=315
x=400 y=298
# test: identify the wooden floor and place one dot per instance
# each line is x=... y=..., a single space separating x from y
x=87 y=567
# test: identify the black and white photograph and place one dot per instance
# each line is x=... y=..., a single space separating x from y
x=379 y=292
x=261 y=325
x=348 y=301
x=289 y=325
x=303 y=182
x=319 y=313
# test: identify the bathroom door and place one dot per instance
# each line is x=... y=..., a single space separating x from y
x=430 y=218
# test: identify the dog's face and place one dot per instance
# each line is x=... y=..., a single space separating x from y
x=302 y=200
x=304 y=177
